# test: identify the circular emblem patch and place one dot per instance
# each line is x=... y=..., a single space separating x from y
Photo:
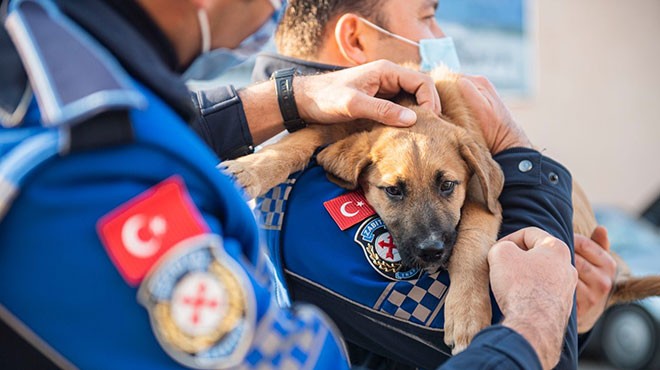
x=201 y=313
x=382 y=254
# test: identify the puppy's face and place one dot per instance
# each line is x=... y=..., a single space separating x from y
x=417 y=184
x=417 y=179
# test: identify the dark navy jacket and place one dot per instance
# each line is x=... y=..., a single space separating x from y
x=403 y=320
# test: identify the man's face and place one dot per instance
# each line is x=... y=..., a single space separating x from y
x=412 y=19
x=232 y=21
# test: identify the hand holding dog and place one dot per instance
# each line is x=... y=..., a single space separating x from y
x=499 y=129
x=358 y=92
x=533 y=282
x=596 y=270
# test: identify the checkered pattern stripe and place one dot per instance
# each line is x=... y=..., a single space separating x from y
x=284 y=341
x=271 y=206
x=417 y=301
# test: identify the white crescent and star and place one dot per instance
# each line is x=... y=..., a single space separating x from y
x=344 y=212
x=134 y=244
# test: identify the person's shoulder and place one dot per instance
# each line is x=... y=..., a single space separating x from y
x=73 y=77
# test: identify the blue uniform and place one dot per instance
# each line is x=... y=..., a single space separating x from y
x=401 y=317
x=121 y=245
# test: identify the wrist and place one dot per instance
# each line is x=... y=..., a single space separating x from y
x=261 y=111
x=286 y=98
x=537 y=337
x=510 y=143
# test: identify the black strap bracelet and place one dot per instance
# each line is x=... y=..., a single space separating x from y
x=286 y=100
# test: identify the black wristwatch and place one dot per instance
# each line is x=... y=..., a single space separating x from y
x=286 y=100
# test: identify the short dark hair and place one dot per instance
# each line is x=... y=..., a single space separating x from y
x=303 y=25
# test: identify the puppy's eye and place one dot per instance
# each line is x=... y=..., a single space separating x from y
x=394 y=192
x=447 y=187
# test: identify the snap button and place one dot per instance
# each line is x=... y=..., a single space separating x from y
x=553 y=177
x=525 y=166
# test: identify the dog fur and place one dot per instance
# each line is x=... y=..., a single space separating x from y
x=435 y=185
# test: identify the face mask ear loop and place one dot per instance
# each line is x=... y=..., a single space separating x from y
x=381 y=29
x=205 y=29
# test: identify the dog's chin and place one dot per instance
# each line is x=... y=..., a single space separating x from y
x=439 y=264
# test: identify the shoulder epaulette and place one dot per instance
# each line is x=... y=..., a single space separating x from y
x=73 y=77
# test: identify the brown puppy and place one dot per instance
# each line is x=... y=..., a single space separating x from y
x=421 y=181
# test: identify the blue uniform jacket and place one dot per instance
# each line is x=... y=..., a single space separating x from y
x=402 y=320
x=121 y=245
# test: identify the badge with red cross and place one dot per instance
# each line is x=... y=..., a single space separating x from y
x=380 y=251
x=200 y=311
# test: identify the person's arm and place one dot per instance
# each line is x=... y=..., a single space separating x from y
x=533 y=281
x=537 y=190
x=233 y=122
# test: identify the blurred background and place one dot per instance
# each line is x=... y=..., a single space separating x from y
x=582 y=78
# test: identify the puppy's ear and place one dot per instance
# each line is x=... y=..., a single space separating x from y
x=487 y=172
x=345 y=160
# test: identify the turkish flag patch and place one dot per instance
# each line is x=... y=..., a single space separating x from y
x=137 y=233
x=349 y=209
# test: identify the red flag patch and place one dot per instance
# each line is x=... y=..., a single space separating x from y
x=140 y=231
x=349 y=209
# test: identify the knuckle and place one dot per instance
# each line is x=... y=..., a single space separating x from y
x=384 y=109
x=604 y=285
x=382 y=63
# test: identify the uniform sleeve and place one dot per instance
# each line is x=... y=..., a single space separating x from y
x=221 y=122
x=537 y=192
x=497 y=347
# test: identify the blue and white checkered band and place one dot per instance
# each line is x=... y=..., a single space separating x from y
x=289 y=339
x=418 y=301
x=382 y=254
x=201 y=313
x=271 y=206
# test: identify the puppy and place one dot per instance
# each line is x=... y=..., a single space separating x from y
x=421 y=181
x=435 y=186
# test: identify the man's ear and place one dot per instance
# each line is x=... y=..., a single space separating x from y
x=346 y=159
x=349 y=36
x=487 y=172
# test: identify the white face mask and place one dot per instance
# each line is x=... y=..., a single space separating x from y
x=212 y=63
x=432 y=52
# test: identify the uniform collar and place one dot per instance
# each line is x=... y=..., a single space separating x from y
x=267 y=63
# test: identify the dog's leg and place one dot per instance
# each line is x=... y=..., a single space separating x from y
x=259 y=172
x=467 y=306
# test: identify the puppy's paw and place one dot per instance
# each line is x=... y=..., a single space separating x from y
x=246 y=175
x=466 y=313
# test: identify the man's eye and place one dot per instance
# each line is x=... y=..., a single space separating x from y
x=394 y=192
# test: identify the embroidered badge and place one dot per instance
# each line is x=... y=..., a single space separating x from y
x=140 y=231
x=382 y=254
x=349 y=209
x=200 y=312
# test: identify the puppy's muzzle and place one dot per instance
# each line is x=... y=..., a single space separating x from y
x=436 y=250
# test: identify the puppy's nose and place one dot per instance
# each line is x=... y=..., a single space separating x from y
x=431 y=250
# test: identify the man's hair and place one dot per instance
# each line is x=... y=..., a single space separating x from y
x=304 y=23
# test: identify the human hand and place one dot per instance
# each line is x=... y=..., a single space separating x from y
x=358 y=92
x=533 y=282
x=596 y=270
x=499 y=129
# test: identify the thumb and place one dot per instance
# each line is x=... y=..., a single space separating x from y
x=384 y=111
